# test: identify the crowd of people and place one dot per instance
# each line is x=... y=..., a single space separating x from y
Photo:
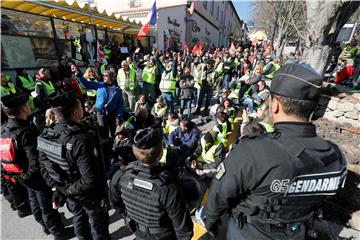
x=137 y=118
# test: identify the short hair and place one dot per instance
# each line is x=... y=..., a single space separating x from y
x=252 y=127
x=300 y=108
x=14 y=112
x=187 y=123
x=65 y=111
x=148 y=156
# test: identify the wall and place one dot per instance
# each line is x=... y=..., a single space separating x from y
x=177 y=13
x=343 y=109
x=205 y=32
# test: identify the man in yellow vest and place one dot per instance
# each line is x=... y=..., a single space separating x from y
x=168 y=83
x=208 y=155
x=271 y=67
x=24 y=81
x=149 y=79
x=218 y=74
x=43 y=89
x=126 y=79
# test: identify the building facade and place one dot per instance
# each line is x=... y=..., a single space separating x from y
x=213 y=23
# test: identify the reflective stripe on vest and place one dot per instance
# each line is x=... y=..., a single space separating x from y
x=90 y=92
x=276 y=67
x=8 y=89
x=148 y=75
x=121 y=79
x=209 y=155
x=48 y=87
x=27 y=83
x=167 y=83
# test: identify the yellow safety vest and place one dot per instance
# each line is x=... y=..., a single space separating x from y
x=91 y=92
x=121 y=78
x=209 y=155
x=7 y=89
x=27 y=83
x=169 y=128
x=148 y=75
x=167 y=83
x=277 y=67
x=48 y=86
x=222 y=135
x=235 y=92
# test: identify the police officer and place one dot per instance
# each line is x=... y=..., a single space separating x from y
x=71 y=167
x=148 y=193
x=24 y=133
x=274 y=183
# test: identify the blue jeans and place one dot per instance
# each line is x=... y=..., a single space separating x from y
x=227 y=79
x=169 y=100
x=98 y=216
x=149 y=92
x=249 y=103
x=203 y=92
x=41 y=208
x=233 y=231
x=196 y=97
x=186 y=102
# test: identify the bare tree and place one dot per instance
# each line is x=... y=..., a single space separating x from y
x=323 y=23
x=316 y=22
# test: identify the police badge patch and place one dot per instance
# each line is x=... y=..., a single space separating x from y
x=220 y=171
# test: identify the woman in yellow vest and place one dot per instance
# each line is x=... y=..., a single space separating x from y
x=91 y=75
x=222 y=127
x=208 y=155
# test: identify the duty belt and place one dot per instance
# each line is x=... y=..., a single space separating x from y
x=149 y=230
x=279 y=227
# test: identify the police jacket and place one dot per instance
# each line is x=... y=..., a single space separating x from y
x=152 y=199
x=25 y=133
x=68 y=158
x=276 y=180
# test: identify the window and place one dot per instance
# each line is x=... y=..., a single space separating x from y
x=221 y=17
x=217 y=12
x=19 y=23
x=205 y=4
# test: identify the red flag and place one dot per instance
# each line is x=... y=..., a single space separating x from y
x=186 y=48
x=199 y=49
x=195 y=48
x=192 y=8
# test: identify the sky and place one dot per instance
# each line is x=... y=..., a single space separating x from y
x=243 y=9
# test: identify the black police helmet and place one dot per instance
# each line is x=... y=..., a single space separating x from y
x=148 y=138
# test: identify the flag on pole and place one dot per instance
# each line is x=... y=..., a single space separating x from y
x=200 y=48
x=191 y=8
x=150 y=21
x=195 y=49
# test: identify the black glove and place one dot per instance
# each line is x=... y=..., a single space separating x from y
x=63 y=189
x=59 y=198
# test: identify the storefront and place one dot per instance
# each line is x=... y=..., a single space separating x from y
x=31 y=40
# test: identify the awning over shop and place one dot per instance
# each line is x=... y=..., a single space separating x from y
x=74 y=10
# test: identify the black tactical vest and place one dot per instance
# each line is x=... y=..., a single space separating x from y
x=300 y=201
x=56 y=145
x=140 y=192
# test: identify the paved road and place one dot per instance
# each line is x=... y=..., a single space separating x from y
x=13 y=227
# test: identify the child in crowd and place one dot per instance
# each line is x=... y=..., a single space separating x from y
x=171 y=123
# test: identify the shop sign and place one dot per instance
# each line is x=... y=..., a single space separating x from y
x=173 y=22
